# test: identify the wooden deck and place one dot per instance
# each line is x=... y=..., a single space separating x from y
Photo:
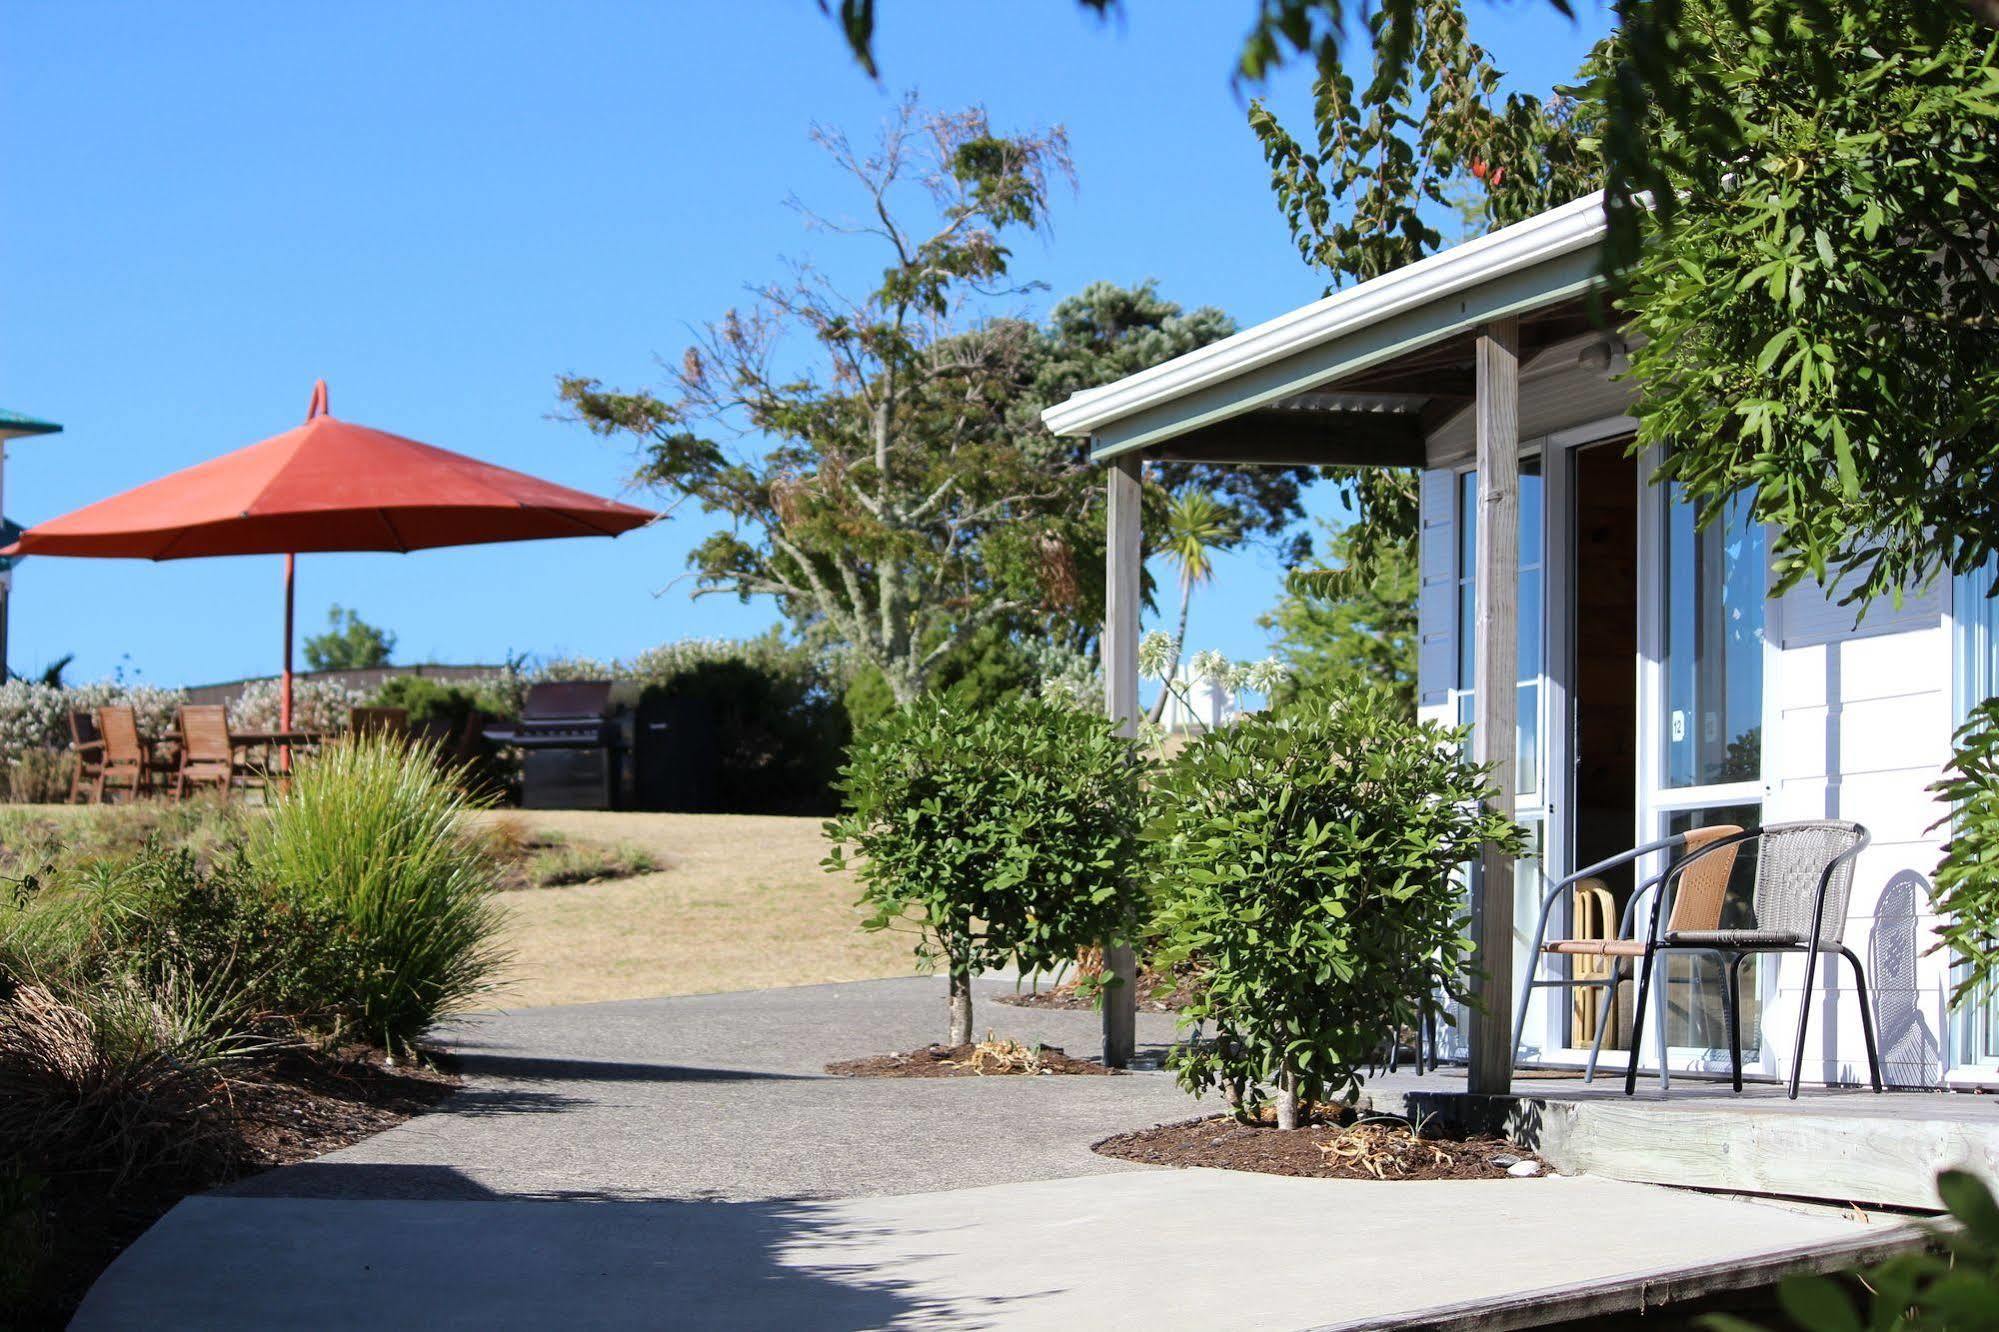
x=1843 y=1145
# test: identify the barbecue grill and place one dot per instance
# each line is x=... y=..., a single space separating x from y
x=574 y=736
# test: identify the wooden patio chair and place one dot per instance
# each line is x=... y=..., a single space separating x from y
x=125 y=764
x=88 y=748
x=1698 y=887
x=379 y=721
x=207 y=753
x=1804 y=879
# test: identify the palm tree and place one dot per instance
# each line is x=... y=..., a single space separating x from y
x=1197 y=525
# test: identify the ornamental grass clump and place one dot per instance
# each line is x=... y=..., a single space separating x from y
x=1002 y=836
x=374 y=831
x=1306 y=861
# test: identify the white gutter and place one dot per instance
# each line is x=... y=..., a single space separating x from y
x=1559 y=231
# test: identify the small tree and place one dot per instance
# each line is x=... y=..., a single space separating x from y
x=1307 y=862
x=1008 y=835
x=350 y=643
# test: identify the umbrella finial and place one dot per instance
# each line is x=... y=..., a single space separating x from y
x=318 y=407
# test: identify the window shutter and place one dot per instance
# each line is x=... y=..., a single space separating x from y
x=1436 y=598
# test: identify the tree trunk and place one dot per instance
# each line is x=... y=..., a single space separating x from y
x=961 y=1006
x=1179 y=651
x=1287 y=1100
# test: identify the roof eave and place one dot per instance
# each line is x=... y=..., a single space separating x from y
x=1533 y=261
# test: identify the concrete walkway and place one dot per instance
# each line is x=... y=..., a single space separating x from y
x=682 y=1162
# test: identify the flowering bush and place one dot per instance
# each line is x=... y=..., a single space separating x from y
x=36 y=716
x=317 y=705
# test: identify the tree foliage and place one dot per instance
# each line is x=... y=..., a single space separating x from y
x=889 y=509
x=1388 y=158
x=892 y=486
x=1821 y=325
x=1645 y=83
x=1304 y=861
x=1353 y=622
x=1003 y=836
x=350 y=643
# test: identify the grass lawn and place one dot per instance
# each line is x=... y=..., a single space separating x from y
x=739 y=903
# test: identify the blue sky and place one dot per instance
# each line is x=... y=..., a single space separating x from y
x=441 y=207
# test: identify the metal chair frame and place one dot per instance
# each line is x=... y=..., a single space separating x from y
x=1658 y=943
x=1607 y=984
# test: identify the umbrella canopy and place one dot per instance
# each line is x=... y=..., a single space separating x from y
x=327 y=485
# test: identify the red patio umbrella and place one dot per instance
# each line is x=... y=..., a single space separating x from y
x=326 y=485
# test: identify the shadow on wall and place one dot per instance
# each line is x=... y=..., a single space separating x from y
x=535 y=1261
x=1911 y=1051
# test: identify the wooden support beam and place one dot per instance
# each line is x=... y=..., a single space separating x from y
x=1123 y=569
x=1495 y=671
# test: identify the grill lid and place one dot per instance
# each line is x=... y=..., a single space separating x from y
x=554 y=700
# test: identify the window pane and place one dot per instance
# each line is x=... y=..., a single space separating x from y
x=1527 y=746
x=1716 y=582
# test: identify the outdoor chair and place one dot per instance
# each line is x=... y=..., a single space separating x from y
x=1804 y=879
x=1603 y=957
x=125 y=764
x=207 y=753
x=378 y=721
x=88 y=747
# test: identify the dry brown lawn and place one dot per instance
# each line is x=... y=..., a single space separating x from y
x=740 y=903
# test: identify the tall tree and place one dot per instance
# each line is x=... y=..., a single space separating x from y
x=1820 y=329
x=1351 y=623
x=1197 y=525
x=882 y=502
x=350 y=643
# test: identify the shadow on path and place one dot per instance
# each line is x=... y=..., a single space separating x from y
x=488 y=1260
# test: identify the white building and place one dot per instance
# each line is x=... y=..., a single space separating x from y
x=1658 y=685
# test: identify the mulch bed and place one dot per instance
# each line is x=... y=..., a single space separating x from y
x=293 y=1109
x=1372 y=1148
x=969 y=1061
x=1067 y=995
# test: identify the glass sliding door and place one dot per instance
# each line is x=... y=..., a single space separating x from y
x=1701 y=726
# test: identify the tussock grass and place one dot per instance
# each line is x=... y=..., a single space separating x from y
x=373 y=830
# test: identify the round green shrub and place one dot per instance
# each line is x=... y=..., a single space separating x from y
x=1306 y=862
x=1006 y=835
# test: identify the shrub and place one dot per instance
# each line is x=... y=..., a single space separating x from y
x=1967 y=888
x=116 y=1076
x=317 y=705
x=40 y=777
x=35 y=716
x=373 y=832
x=775 y=714
x=1305 y=861
x=1006 y=835
x=441 y=704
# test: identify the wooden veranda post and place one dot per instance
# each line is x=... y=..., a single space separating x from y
x=1495 y=670
x=1123 y=563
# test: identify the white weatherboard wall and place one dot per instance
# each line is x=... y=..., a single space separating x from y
x=1863 y=719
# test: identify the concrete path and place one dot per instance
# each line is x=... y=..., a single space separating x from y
x=682 y=1163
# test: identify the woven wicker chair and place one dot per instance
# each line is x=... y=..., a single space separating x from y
x=1701 y=882
x=125 y=764
x=88 y=747
x=1804 y=880
x=207 y=754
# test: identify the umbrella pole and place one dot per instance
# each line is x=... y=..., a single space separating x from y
x=285 y=688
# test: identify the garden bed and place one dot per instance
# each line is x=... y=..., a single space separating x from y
x=292 y=1109
x=1069 y=994
x=985 y=1059
x=1372 y=1147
